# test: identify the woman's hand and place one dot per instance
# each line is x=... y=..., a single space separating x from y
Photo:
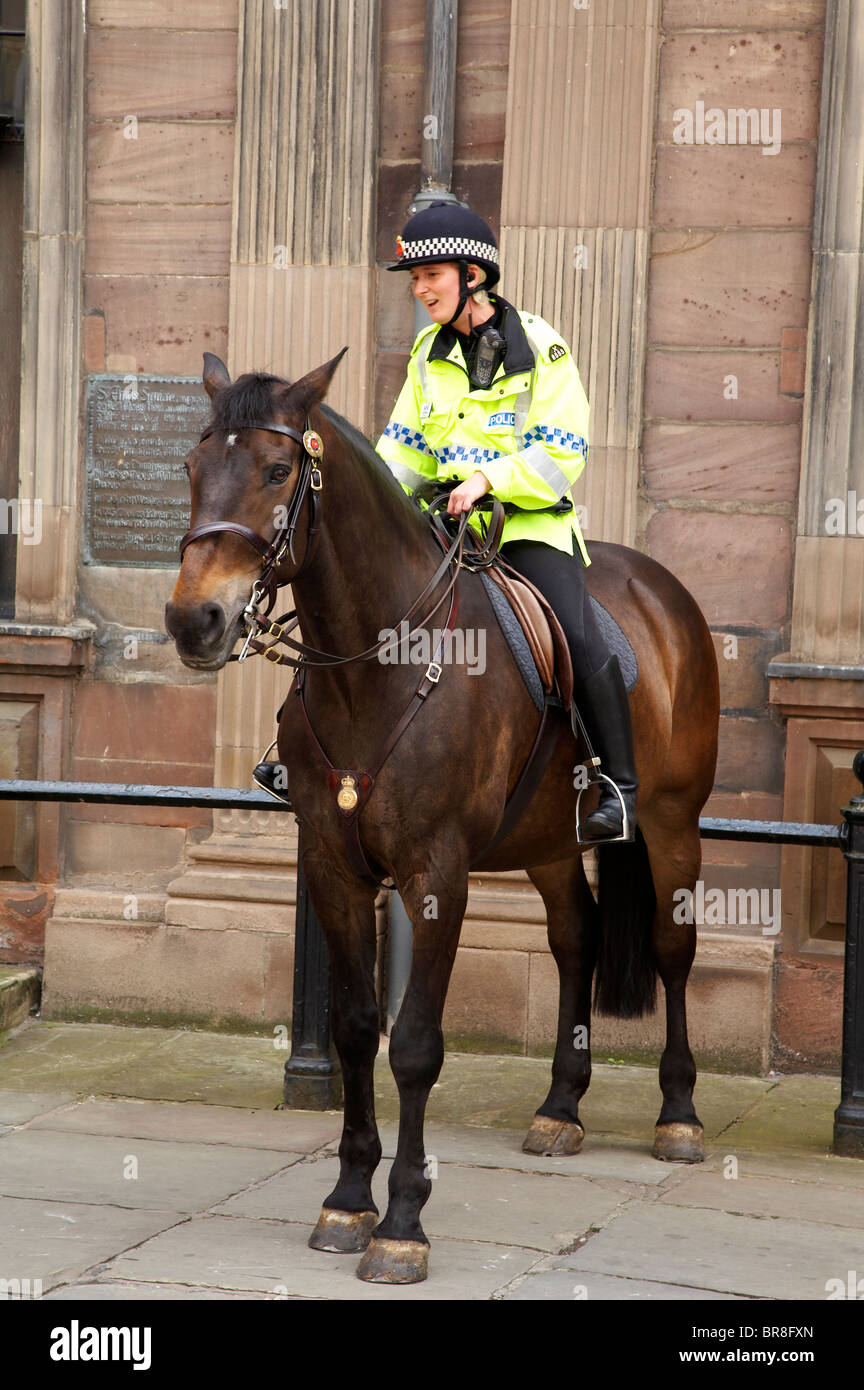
x=466 y=494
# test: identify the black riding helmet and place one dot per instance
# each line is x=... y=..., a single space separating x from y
x=448 y=232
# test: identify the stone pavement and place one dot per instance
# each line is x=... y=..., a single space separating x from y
x=145 y=1163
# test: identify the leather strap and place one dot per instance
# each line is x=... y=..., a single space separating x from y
x=363 y=782
x=218 y=527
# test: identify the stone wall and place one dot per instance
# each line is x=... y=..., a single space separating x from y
x=159 y=151
x=691 y=332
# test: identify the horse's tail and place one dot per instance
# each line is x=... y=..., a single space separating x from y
x=625 y=978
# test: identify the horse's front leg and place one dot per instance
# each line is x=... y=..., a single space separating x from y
x=399 y=1251
x=346 y=910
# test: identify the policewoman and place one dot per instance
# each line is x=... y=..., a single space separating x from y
x=493 y=399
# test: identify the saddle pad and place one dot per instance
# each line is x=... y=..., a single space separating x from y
x=617 y=642
x=509 y=624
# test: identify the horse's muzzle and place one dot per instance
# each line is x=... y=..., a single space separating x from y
x=201 y=634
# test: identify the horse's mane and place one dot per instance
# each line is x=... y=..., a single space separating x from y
x=243 y=402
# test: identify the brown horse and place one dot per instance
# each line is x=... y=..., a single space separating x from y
x=439 y=796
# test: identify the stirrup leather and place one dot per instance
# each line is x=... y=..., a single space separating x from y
x=598 y=840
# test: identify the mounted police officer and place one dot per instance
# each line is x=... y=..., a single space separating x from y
x=493 y=399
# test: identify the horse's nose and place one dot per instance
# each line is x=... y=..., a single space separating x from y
x=201 y=626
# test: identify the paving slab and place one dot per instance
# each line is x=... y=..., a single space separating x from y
x=81 y=1058
x=297 y=1131
x=766 y=1258
x=17 y=1107
x=623 y=1160
x=273 y=1256
x=796 y=1114
x=504 y=1092
x=828 y=1170
x=146 y=1293
x=765 y=1196
x=563 y=1285
x=59 y=1241
x=88 y=1168
x=213 y=1067
x=540 y=1211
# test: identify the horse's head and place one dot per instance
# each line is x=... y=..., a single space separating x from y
x=245 y=475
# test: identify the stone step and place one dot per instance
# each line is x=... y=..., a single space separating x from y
x=20 y=991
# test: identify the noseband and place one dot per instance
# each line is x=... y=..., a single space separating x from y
x=273 y=552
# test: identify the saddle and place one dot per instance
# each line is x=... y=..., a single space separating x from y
x=543 y=633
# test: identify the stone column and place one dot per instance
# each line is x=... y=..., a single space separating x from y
x=819 y=684
x=302 y=285
x=575 y=216
x=49 y=449
x=828 y=602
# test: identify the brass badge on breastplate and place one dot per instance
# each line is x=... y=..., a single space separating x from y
x=347 y=798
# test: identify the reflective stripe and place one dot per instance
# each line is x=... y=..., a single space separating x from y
x=403 y=474
x=408 y=438
x=456 y=454
x=554 y=434
x=545 y=465
x=523 y=400
x=422 y=354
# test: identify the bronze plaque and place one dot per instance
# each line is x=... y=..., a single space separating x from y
x=139 y=431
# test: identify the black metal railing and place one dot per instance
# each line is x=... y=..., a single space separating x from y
x=312 y=1078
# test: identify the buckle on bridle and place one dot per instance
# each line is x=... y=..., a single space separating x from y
x=316 y=482
x=433 y=672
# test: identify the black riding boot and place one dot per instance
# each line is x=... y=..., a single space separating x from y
x=604 y=706
x=270 y=777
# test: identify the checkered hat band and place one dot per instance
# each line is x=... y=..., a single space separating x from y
x=449 y=247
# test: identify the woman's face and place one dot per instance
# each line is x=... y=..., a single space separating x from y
x=438 y=288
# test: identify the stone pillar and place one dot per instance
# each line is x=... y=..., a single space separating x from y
x=575 y=216
x=302 y=285
x=49 y=448
x=819 y=684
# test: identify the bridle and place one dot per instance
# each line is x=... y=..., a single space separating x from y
x=273 y=553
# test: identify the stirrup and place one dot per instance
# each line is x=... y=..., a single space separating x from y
x=593 y=843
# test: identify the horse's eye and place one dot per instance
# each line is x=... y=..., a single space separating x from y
x=280 y=474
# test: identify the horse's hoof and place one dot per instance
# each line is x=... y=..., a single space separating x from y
x=394 y=1261
x=553 y=1137
x=343 y=1232
x=679 y=1143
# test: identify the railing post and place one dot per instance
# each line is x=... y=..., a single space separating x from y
x=313 y=1079
x=849 y=1115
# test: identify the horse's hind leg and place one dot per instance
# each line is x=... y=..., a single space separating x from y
x=676 y=855
x=346 y=910
x=572 y=926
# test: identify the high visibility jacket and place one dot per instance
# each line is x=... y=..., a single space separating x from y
x=527 y=432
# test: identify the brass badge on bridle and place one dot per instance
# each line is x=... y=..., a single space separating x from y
x=347 y=797
x=314 y=446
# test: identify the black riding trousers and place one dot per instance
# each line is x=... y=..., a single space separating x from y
x=561 y=579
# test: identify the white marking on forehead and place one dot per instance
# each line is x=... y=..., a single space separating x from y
x=232 y=439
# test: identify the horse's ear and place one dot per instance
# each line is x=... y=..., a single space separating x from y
x=215 y=374
x=312 y=387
